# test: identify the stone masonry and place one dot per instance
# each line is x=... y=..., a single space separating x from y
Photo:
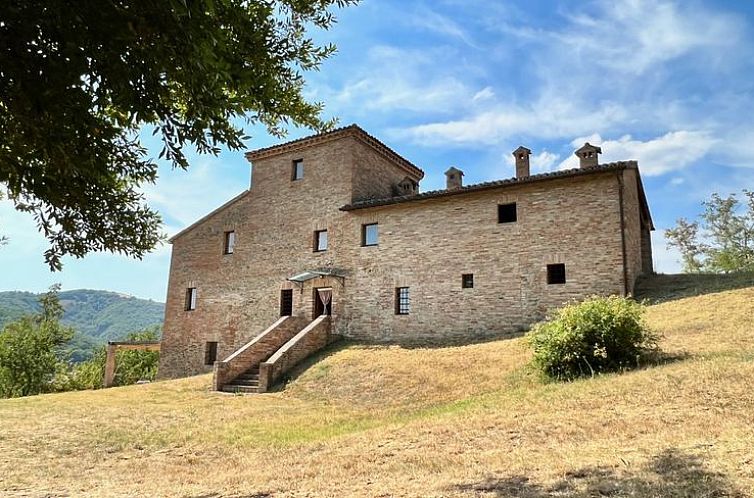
x=593 y=220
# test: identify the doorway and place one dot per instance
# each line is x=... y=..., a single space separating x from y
x=286 y=302
x=322 y=302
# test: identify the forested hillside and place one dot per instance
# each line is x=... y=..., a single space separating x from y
x=97 y=316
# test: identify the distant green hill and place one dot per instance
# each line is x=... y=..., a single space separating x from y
x=97 y=316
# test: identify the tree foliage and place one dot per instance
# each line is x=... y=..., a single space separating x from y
x=31 y=349
x=601 y=334
x=96 y=316
x=80 y=79
x=722 y=241
x=131 y=366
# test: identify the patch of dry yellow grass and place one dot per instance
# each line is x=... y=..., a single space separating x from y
x=387 y=421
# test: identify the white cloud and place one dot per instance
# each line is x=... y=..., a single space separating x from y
x=549 y=117
x=392 y=79
x=485 y=93
x=430 y=20
x=185 y=196
x=541 y=162
x=666 y=259
x=633 y=36
x=670 y=152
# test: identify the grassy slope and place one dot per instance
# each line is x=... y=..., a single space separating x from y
x=468 y=421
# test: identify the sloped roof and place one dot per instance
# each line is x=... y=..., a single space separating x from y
x=508 y=182
x=351 y=130
x=209 y=215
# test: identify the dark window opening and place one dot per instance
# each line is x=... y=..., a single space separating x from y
x=230 y=242
x=191 y=299
x=298 y=169
x=506 y=213
x=402 y=301
x=320 y=240
x=556 y=274
x=369 y=234
x=286 y=302
x=210 y=353
x=467 y=281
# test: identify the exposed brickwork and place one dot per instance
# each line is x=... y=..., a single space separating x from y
x=425 y=244
x=310 y=340
x=259 y=349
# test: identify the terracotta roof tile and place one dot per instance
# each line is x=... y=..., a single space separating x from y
x=489 y=185
x=353 y=130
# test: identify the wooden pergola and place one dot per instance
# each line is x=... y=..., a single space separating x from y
x=114 y=346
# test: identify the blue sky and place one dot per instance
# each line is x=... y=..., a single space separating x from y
x=463 y=83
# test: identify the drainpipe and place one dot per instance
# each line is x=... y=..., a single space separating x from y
x=622 y=231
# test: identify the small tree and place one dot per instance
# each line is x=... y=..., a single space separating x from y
x=31 y=349
x=601 y=334
x=722 y=241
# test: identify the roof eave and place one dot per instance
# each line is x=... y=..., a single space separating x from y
x=208 y=216
x=493 y=185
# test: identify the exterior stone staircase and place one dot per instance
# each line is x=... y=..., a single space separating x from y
x=257 y=365
x=247 y=382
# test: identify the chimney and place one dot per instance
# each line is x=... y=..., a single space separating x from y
x=522 y=161
x=588 y=155
x=454 y=178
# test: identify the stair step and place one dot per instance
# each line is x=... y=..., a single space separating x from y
x=238 y=388
x=248 y=376
x=250 y=383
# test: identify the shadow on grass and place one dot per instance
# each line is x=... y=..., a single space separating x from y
x=663 y=288
x=672 y=474
x=310 y=361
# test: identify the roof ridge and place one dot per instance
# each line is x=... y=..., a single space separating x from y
x=384 y=201
x=354 y=129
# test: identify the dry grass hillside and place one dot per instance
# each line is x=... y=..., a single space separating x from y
x=462 y=421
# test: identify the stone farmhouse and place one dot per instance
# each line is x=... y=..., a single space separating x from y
x=333 y=238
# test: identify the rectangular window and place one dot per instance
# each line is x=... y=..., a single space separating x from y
x=402 y=301
x=286 y=302
x=230 y=242
x=210 y=353
x=191 y=298
x=506 y=213
x=320 y=240
x=467 y=281
x=298 y=169
x=556 y=274
x=369 y=234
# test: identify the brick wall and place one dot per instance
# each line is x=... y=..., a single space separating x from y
x=428 y=245
x=310 y=340
x=424 y=245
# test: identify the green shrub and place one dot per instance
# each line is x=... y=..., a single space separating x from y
x=601 y=334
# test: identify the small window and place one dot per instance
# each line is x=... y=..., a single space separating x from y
x=298 y=169
x=210 y=353
x=230 y=242
x=191 y=299
x=556 y=274
x=467 y=281
x=402 y=301
x=369 y=234
x=320 y=240
x=506 y=213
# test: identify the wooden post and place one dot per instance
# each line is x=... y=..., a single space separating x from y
x=110 y=365
x=113 y=347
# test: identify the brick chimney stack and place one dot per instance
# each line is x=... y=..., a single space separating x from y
x=522 y=162
x=454 y=178
x=588 y=155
